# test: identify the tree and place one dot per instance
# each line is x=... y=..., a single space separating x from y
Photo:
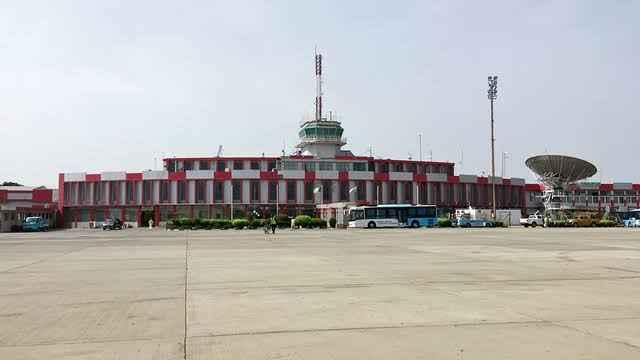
x=10 y=183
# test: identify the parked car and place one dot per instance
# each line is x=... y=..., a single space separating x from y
x=467 y=222
x=533 y=220
x=112 y=224
x=35 y=223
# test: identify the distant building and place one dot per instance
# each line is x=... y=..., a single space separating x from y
x=20 y=202
x=589 y=196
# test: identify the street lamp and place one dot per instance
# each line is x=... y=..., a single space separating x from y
x=492 y=92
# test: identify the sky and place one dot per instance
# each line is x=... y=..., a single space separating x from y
x=91 y=86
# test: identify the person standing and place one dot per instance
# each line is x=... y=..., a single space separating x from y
x=274 y=225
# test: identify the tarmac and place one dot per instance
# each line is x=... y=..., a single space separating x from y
x=321 y=294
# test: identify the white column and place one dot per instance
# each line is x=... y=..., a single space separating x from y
x=371 y=192
x=400 y=192
x=191 y=191
x=228 y=192
x=300 y=192
x=138 y=192
x=416 y=189
x=209 y=191
x=155 y=192
x=353 y=196
x=123 y=193
x=264 y=191
x=335 y=191
x=174 y=191
x=385 y=192
x=246 y=191
x=282 y=189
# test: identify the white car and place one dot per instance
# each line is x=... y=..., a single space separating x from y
x=533 y=220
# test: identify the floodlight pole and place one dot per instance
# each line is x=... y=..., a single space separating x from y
x=491 y=94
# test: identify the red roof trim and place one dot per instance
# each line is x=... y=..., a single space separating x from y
x=412 y=162
x=635 y=187
x=134 y=177
x=223 y=158
x=419 y=177
x=606 y=187
x=352 y=157
x=178 y=175
x=269 y=175
x=482 y=180
x=93 y=177
x=534 y=187
x=222 y=175
x=381 y=176
x=42 y=195
x=453 y=179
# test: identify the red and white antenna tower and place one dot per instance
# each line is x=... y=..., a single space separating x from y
x=318 y=86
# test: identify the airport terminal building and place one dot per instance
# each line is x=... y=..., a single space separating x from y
x=320 y=172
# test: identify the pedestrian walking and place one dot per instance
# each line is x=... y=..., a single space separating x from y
x=274 y=225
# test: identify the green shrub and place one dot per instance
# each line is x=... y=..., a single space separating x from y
x=318 y=223
x=240 y=224
x=170 y=225
x=303 y=221
x=332 y=222
x=606 y=223
x=444 y=222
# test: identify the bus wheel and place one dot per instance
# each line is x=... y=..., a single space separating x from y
x=371 y=225
x=415 y=224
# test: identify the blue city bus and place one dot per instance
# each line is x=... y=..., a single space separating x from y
x=396 y=215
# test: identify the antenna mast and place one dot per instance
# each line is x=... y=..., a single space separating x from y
x=318 y=86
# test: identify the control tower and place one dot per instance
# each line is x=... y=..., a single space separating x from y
x=321 y=137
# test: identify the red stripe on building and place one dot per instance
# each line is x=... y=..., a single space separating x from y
x=381 y=176
x=606 y=187
x=92 y=177
x=482 y=180
x=178 y=175
x=343 y=175
x=309 y=176
x=419 y=178
x=134 y=177
x=534 y=187
x=453 y=179
x=635 y=187
x=270 y=175
x=221 y=175
x=42 y=195
x=3 y=196
x=352 y=157
x=506 y=182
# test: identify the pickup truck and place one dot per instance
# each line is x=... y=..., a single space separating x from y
x=35 y=223
x=533 y=220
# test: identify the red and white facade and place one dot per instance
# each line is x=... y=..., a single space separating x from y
x=210 y=187
x=320 y=172
x=20 y=202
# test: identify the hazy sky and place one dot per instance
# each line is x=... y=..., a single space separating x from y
x=111 y=85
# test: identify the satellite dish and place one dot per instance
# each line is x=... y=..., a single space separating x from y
x=558 y=171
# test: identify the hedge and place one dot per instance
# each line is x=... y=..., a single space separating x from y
x=303 y=221
x=444 y=222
